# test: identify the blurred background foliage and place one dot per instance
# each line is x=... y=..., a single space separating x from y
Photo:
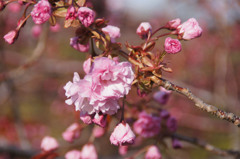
x=32 y=103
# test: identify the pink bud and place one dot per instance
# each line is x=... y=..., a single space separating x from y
x=98 y=131
x=100 y=120
x=86 y=16
x=87 y=65
x=176 y=144
x=122 y=150
x=71 y=13
x=49 y=143
x=189 y=29
x=86 y=118
x=55 y=28
x=164 y=114
x=153 y=153
x=71 y=133
x=172 y=46
x=112 y=31
x=89 y=152
x=171 y=124
x=41 y=12
x=76 y=45
x=143 y=29
x=73 y=154
x=173 y=24
x=11 y=36
x=36 y=30
x=162 y=96
x=122 y=135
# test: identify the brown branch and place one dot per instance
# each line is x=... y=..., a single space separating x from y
x=198 y=102
x=207 y=146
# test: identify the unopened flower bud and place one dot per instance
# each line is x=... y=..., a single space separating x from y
x=162 y=96
x=143 y=29
x=71 y=133
x=73 y=154
x=172 y=46
x=11 y=36
x=153 y=153
x=189 y=29
x=49 y=143
x=89 y=152
x=173 y=24
x=122 y=135
x=100 y=23
x=176 y=144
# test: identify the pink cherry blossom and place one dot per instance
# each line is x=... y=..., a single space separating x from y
x=172 y=46
x=98 y=131
x=11 y=36
x=86 y=16
x=36 y=30
x=49 y=143
x=76 y=45
x=73 y=154
x=87 y=65
x=100 y=89
x=162 y=95
x=147 y=125
x=153 y=153
x=41 y=12
x=143 y=29
x=173 y=24
x=71 y=13
x=72 y=132
x=112 y=31
x=122 y=135
x=89 y=152
x=189 y=29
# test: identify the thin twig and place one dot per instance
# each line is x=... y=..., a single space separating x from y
x=206 y=146
x=198 y=102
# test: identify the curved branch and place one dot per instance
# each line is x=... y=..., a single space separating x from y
x=198 y=102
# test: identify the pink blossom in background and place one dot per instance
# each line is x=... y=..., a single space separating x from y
x=86 y=16
x=100 y=89
x=122 y=135
x=55 y=28
x=11 y=36
x=73 y=154
x=147 y=125
x=86 y=118
x=189 y=29
x=176 y=144
x=41 y=12
x=122 y=150
x=14 y=7
x=171 y=124
x=173 y=24
x=172 y=46
x=71 y=13
x=112 y=31
x=77 y=46
x=87 y=65
x=143 y=29
x=162 y=96
x=100 y=120
x=49 y=144
x=153 y=153
x=71 y=133
x=36 y=31
x=98 y=131
x=89 y=152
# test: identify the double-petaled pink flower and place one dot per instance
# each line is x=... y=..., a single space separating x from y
x=172 y=46
x=41 y=12
x=189 y=29
x=147 y=125
x=153 y=153
x=86 y=16
x=122 y=135
x=143 y=29
x=101 y=88
x=112 y=31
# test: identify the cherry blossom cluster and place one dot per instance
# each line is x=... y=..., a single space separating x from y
x=107 y=80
